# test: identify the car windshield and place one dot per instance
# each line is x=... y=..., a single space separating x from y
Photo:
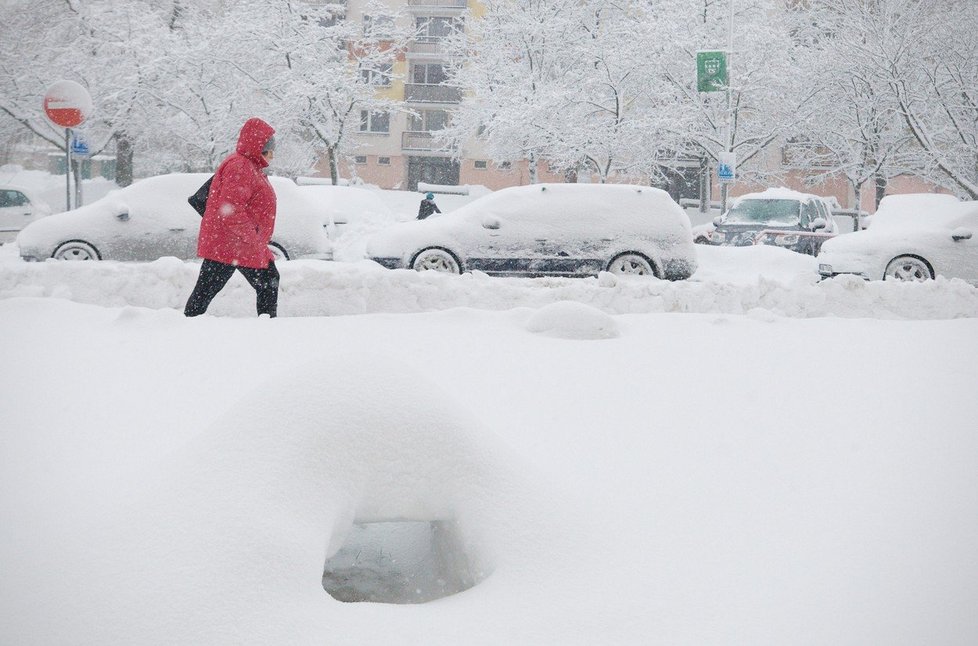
x=763 y=212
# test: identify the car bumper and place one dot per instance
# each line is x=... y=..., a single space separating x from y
x=828 y=271
x=389 y=263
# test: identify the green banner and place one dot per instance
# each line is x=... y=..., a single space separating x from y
x=711 y=71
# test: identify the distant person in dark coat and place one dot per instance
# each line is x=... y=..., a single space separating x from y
x=238 y=223
x=428 y=206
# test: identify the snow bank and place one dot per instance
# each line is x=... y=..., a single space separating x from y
x=695 y=477
x=567 y=320
x=729 y=281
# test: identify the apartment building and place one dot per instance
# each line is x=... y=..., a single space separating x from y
x=400 y=150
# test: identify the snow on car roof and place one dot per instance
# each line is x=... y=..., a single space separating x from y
x=779 y=193
x=594 y=199
x=918 y=212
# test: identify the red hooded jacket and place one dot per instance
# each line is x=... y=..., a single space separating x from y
x=240 y=215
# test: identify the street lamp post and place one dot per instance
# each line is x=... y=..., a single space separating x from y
x=728 y=129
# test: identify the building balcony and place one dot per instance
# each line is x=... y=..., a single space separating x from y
x=427 y=93
x=425 y=47
x=422 y=140
x=438 y=4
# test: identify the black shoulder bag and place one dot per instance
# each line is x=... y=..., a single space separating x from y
x=199 y=199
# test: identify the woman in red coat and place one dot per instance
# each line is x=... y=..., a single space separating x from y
x=238 y=223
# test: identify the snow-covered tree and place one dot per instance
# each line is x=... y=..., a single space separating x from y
x=98 y=45
x=509 y=65
x=768 y=96
x=855 y=130
x=318 y=72
x=928 y=54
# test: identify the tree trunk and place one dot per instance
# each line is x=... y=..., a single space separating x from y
x=334 y=171
x=881 y=184
x=857 y=191
x=534 y=177
x=123 y=159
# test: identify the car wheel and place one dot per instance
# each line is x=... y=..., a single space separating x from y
x=908 y=268
x=76 y=250
x=435 y=259
x=278 y=251
x=631 y=263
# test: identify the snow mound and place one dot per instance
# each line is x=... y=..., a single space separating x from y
x=570 y=320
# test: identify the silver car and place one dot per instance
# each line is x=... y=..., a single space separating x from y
x=910 y=238
x=152 y=219
x=18 y=208
x=548 y=230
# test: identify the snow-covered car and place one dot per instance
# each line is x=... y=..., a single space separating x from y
x=778 y=216
x=345 y=207
x=548 y=229
x=19 y=206
x=910 y=239
x=151 y=219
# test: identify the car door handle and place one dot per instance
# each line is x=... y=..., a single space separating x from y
x=177 y=230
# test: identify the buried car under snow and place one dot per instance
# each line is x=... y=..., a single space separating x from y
x=152 y=219
x=19 y=207
x=778 y=216
x=912 y=237
x=548 y=230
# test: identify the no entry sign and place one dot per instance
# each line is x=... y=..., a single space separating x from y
x=67 y=104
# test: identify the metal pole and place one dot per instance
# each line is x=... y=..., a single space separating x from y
x=67 y=169
x=728 y=136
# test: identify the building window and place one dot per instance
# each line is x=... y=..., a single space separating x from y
x=505 y=165
x=381 y=76
x=372 y=121
x=360 y=159
x=378 y=26
x=481 y=164
x=383 y=161
x=432 y=28
x=428 y=120
x=428 y=73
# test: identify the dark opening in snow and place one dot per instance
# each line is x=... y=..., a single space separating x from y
x=400 y=562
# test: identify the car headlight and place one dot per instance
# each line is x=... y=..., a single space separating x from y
x=824 y=269
x=787 y=240
x=717 y=237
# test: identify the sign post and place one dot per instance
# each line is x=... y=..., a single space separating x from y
x=67 y=104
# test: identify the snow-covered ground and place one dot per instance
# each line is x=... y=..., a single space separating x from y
x=747 y=457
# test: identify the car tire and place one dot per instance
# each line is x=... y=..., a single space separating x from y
x=436 y=259
x=278 y=251
x=76 y=250
x=631 y=263
x=908 y=268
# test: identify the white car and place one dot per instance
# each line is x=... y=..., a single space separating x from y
x=152 y=219
x=548 y=229
x=344 y=208
x=911 y=238
x=19 y=207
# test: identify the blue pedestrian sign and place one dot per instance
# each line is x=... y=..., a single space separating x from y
x=727 y=167
x=79 y=147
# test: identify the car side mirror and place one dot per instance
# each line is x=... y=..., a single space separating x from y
x=490 y=223
x=123 y=217
x=960 y=234
x=717 y=220
x=819 y=223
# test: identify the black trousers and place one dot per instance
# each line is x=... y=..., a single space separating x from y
x=215 y=275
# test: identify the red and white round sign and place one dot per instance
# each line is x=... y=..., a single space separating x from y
x=67 y=104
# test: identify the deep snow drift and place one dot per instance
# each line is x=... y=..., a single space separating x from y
x=748 y=457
